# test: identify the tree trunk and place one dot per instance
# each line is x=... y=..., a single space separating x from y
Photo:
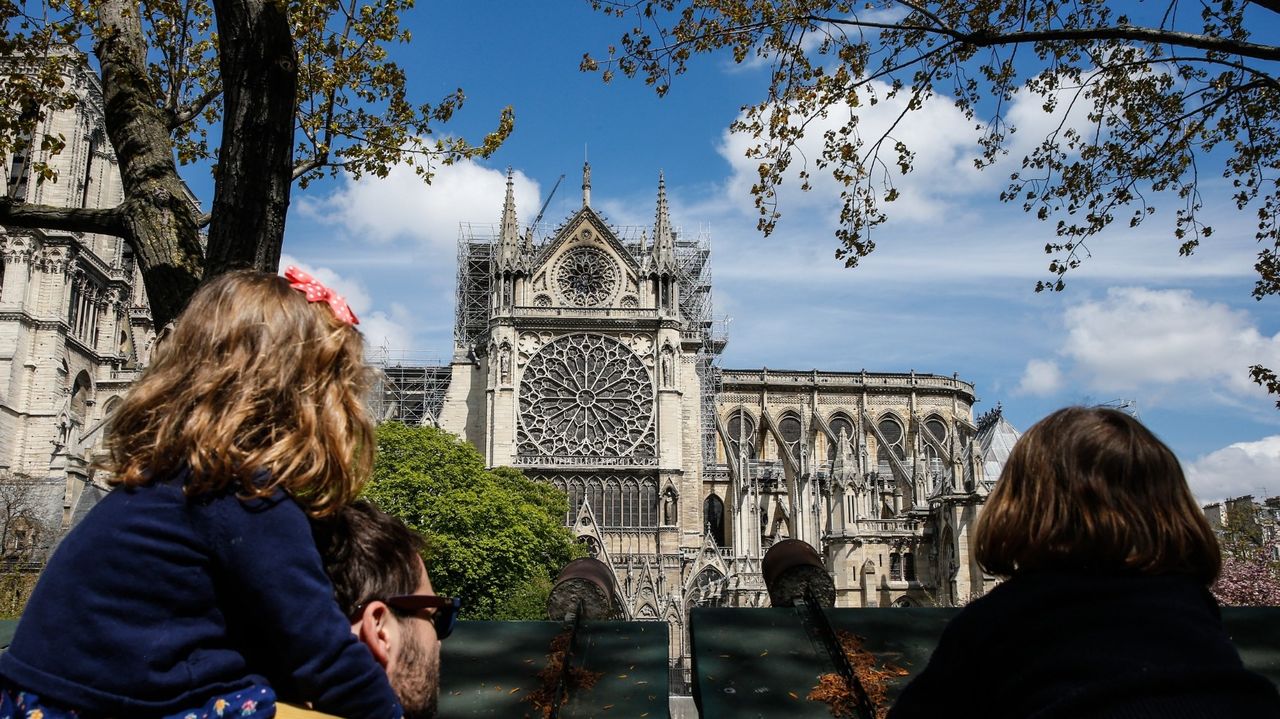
x=259 y=72
x=158 y=220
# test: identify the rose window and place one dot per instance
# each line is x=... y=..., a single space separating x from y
x=586 y=396
x=586 y=276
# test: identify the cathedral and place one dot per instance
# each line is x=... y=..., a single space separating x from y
x=75 y=327
x=588 y=359
x=586 y=356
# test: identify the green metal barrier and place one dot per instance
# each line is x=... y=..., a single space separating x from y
x=489 y=669
x=746 y=662
x=764 y=662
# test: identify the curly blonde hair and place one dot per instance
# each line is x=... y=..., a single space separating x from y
x=253 y=379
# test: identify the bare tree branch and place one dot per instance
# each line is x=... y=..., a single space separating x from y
x=108 y=221
x=309 y=164
x=181 y=117
x=1119 y=32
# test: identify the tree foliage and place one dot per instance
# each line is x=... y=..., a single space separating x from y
x=495 y=538
x=27 y=527
x=297 y=90
x=1165 y=99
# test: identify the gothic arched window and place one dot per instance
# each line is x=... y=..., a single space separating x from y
x=713 y=518
x=630 y=503
x=80 y=397
x=648 y=502
x=742 y=435
x=891 y=429
x=790 y=429
x=595 y=492
x=612 y=503
x=936 y=427
x=840 y=421
x=708 y=588
x=576 y=491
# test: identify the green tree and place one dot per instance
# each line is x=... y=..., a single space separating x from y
x=1168 y=97
x=495 y=538
x=296 y=89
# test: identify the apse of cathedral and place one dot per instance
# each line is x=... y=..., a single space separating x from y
x=588 y=359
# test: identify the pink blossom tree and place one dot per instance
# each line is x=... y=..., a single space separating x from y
x=1250 y=547
x=1248 y=580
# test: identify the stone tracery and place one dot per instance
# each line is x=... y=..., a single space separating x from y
x=586 y=396
x=586 y=276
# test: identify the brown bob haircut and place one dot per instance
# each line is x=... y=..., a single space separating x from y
x=1092 y=489
x=252 y=379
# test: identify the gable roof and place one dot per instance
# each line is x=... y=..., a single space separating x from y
x=566 y=231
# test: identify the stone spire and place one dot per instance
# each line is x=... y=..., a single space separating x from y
x=664 y=243
x=509 y=240
x=586 y=184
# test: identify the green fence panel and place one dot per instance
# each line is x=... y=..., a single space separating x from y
x=489 y=669
x=765 y=662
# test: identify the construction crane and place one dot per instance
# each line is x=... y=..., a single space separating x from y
x=543 y=211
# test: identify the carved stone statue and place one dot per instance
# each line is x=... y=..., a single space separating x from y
x=666 y=369
x=863 y=455
x=920 y=481
x=504 y=364
x=669 y=506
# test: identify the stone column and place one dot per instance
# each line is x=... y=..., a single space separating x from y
x=17 y=270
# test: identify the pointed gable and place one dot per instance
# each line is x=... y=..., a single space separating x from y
x=586 y=239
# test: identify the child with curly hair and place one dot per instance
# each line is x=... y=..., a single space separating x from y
x=195 y=589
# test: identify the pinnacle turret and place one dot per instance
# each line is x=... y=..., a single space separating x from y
x=509 y=240
x=664 y=244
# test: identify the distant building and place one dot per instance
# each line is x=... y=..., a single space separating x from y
x=588 y=359
x=1242 y=522
x=75 y=327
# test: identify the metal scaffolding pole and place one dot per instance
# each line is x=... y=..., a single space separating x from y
x=409 y=387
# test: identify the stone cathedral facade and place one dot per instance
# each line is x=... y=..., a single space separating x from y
x=75 y=328
x=590 y=364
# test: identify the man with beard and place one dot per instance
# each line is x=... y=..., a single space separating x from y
x=381 y=584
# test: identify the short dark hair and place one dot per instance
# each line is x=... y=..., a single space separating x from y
x=1093 y=489
x=368 y=554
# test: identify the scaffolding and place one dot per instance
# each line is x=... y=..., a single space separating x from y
x=476 y=245
x=693 y=256
x=408 y=387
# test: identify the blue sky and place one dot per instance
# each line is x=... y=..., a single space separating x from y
x=949 y=288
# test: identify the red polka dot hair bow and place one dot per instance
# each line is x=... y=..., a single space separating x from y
x=316 y=292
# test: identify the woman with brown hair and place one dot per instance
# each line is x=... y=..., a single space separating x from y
x=1105 y=609
x=195 y=590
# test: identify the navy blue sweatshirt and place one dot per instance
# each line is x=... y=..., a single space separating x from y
x=157 y=602
x=1065 y=645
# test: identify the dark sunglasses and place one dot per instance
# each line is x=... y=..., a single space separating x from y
x=444 y=618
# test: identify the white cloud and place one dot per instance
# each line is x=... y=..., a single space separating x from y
x=764 y=57
x=1161 y=344
x=388 y=330
x=401 y=206
x=948 y=223
x=379 y=327
x=1041 y=377
x=1238 y=469
x=938 y=133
